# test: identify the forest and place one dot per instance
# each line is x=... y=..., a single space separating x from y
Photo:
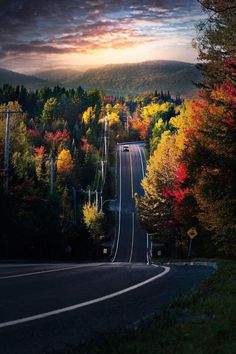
x=62 y=156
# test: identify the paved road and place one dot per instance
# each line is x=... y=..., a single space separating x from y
x=131 y=243
x=57 y=307
x=50 y=306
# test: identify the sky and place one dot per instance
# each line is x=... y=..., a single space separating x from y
x=37 y=35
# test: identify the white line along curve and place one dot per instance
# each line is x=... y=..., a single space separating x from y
x=83 y=304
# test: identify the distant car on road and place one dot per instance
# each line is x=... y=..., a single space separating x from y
x=126 y=148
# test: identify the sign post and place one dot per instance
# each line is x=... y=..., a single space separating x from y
x=192 y=232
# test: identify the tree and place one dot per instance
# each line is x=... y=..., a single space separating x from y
x=210 y=155
x=211 y=148
x=51 y=111
x=93 y=220
x=155 y=209
x=216 y=40
x=157 y=131
x=88 y=116
x=64 y=162
x=54 y=140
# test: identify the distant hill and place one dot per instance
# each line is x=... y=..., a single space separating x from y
x=60 y=76
x=177 y=77
x=117 y=79
x=124 y=79
x=14 y=79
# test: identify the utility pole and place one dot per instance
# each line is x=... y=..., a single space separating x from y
x=102 y=164
x=6 y=152
x=52 y=163
x=101 y=200
x=106 y=121
x=74 y=206
x=105 y=147
x=7 y=148
x=89 y=197
x=96 y=193
x=127 y=124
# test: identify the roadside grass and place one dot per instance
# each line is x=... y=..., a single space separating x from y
x=203 y=322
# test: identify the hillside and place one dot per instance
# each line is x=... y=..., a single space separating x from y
x=14 y=79
x=120 y=79
x=177 y=77
x=60 y=76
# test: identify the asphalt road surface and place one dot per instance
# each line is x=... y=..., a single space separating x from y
x=51 y=306
x=131 y=245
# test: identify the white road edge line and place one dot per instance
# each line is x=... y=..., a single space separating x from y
x=141 y=158
x=148 y=261
x=83 y=304
x=132 y=240
x=131 y=175
x=39 y=272
x=118 y=236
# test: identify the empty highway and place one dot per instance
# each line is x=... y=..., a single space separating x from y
x=131 y=241
x=53 y=306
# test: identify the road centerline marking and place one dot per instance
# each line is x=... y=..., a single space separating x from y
x=83 y=304
x=131 y=174
x=132 y=240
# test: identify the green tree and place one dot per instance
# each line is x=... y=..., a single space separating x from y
x=51 y=111
x=216 y=39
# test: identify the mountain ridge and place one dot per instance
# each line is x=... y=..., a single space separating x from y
x=14 y=78
x=174 y=76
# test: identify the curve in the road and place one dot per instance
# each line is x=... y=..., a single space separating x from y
x=84 y=304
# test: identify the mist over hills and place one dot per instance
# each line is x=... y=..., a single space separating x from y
x=123 y=79
x=117 y=79
x=60 y=76
x=12 y=78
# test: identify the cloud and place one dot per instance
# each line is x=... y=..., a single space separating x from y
x=49 y=27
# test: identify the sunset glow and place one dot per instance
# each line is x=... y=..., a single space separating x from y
x=95 y=32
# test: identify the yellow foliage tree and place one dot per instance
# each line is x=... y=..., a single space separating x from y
x=93 y=220
x=112 y=118
x=88 y=115
x=65 y=162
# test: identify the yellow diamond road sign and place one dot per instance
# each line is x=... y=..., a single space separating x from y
x=192 y=232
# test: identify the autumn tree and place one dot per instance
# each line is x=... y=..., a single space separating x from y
x=88 y=116
x=21 y=152
x=51 y=111
x=211 y=149
x=216 y=40
x=93 y=220
x=64 y=162
x=168 y=203
x=155 y=209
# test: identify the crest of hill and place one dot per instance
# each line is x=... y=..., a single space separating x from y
x=14 y=79
x=116 y=79
x=61 y=77
x=123 y=79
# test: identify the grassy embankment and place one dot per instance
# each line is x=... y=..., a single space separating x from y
x=203 y=322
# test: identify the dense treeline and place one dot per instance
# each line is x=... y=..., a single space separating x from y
x=62 y=132
x=190 y=181
x=49 y=134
